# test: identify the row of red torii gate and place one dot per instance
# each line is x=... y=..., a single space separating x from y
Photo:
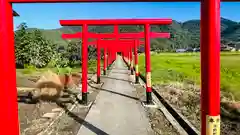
x=117 y=42
x=210 y=50
x=127 y=43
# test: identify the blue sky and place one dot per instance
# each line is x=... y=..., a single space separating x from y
x=47 y=16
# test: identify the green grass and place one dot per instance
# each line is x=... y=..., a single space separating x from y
x=185 y=67
x=92 y=66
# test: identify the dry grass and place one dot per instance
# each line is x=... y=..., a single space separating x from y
x=177 y=78
x=49 y=85
x=186 y=99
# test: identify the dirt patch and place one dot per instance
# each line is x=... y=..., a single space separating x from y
x=186 y=99
x=70 y=122
x=159 y=123
x=31 y=114
x=64 y=115
x=23 y=81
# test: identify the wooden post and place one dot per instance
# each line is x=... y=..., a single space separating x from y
x=210 y=67
x=8 y=90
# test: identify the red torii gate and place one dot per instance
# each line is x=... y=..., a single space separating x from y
x=136 y=35
x=90 y=35
x=125 y=45
x=92 y=43
x=210 y=65
x=104 y=35
x=145 y=22
x=98 y=44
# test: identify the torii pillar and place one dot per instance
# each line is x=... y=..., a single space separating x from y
x=210 y=67
x=8 y=89
x=108 y=58
x=136 y=61
x=105 y=62
x=131 y=60
x=98 y=62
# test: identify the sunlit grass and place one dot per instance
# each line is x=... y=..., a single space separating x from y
x=92 y=66
x=185 y=67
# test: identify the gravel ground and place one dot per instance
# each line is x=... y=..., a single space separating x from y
x=186 y=99
x=158 y=121
x=73 y=117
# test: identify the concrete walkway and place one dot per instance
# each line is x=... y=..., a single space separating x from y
x=116 y=111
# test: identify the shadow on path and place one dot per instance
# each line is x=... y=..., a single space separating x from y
x=82 y=121
x=107 y=77
x=124 y=73
x=123 y=69
x=101 y=89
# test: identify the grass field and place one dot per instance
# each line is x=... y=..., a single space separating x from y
x=185 y=67
x=92 y=66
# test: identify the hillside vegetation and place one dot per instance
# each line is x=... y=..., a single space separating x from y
x=183 y=34
x=32 y=41
x=33 y=49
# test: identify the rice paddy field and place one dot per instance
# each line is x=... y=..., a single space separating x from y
x=169 y=68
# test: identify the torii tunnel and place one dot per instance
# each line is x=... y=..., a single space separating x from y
x=210 y=61
x=129 y=39
x=85 y=35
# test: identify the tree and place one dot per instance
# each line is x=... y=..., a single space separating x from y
x=92 y=53
x=22 y=44
x=32 y=48
x=73 y=51
x=58 y=60
x=41 y=50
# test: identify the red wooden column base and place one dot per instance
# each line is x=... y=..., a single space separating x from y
x=84 y=65
x=136 y=62
x=108 y=58
x=128 y=61
x=105 y=62
x=148 y=65
x=98 y=63
x=131 y=61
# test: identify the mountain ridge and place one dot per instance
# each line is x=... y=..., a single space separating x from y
x=183 y=34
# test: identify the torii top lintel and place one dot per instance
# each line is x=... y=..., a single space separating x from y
x=66 y=1
x=116 y=22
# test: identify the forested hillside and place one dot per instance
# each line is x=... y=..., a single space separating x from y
x=183 y=35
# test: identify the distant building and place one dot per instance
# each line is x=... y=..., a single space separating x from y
x=189 y=49
x=225 y=48
x=237 y=46
x=196 y=49
x=180 y=50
